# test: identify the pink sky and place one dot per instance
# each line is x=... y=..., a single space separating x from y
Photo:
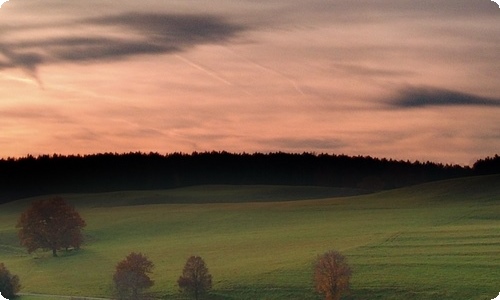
x=401 y=79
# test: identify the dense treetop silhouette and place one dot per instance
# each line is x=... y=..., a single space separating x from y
x=50 y=174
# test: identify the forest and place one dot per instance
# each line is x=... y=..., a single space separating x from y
x=105 y=172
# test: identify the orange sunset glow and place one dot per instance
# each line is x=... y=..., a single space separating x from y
x=414 y=80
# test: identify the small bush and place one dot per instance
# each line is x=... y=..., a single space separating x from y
x=131 y=276
x=332 y=275
x=9 y=284
x=195 y=280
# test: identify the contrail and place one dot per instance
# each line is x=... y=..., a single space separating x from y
x=268 y=69
x=35 y=80
x=203 y=69
x=19 y=79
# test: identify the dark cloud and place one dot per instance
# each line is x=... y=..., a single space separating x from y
x=415 y=97
x=113 y=38
x=184 y=29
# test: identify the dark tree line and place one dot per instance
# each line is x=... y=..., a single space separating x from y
x=28 y=176
x=488 y=165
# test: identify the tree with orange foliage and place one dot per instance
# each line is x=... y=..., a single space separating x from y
x=331 y=275
x=50 y=224
x=131 y=276
x=195 y=279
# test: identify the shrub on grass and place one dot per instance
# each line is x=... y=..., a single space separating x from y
x=196 y=280
x=9 y=284
x=331 y=275
x=131 y=276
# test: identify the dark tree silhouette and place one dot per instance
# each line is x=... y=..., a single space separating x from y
x=488 y=165
x=131 y=276
x=331 y=275
x=9 y=284
x=50 y=224
x=195 y=280
x=104 y=172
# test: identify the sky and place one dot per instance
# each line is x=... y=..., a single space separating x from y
x=410 y=80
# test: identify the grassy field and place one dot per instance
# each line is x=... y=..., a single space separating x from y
x=434 y=241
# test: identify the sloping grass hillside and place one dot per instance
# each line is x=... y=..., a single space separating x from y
x=433 y=241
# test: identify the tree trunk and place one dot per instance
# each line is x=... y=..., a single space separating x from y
x=54 y=252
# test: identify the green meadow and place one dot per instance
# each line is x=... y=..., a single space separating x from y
x=438 y=240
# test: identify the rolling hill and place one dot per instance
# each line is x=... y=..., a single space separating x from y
x=437 y=240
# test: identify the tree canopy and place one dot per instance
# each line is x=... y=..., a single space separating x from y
x=131 y=276
x=331 y=275
x=50 y=224
x=196 y=280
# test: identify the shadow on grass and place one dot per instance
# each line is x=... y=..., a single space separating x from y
x=294 y=293
x=247 y=292
x=421 y=294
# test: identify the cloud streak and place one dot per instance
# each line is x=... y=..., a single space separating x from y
x=417 y=97
x=114 y=38
x=294 y=144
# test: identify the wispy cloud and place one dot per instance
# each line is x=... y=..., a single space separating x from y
x=302 y=144
x=115 y=37
x=415 y=97
x=41 y=113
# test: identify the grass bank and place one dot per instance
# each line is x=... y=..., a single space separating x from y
x=433 y=241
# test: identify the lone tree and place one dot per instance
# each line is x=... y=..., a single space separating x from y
x=9 y=284
x=195 y=279
x=50 y=224
x=331 y=275
x=131 y=276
